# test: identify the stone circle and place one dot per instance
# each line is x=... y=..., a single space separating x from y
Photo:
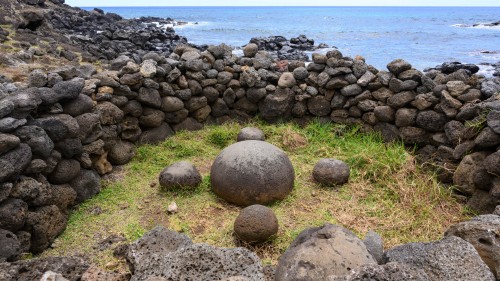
x=251 y=133
x=180 y=174
x=255 y=224
x=331 y=172
x=252 y=172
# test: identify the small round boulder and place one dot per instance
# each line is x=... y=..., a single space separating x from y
x=250 y=50
x=252 y=172
x=180 y=174
x=331 y=172
x=251 y=133
x=255 y=224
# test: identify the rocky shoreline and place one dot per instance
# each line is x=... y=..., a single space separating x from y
x=63 y=128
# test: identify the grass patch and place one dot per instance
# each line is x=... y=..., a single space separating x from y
x=387 y=193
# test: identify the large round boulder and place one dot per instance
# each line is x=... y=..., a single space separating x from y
x=331 y=172
x=256 y=224
x=180 y=174
x=252 y=172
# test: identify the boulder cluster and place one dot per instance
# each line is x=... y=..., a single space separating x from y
x=61 y=130
x=468 y=251
x=293 y=49
x=55 y=29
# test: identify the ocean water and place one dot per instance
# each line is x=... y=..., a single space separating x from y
x=424 y=36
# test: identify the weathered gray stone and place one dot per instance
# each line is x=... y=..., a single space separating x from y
x=351 y=90
x=121 y=152
x=34 y=269
x=169 y=254
x=251 y=133
x=156 y=135
x=10 y=248
x=180 y=175
x=392 y=271
x=78 y=106
x=86 y=183
x=487 y=138
x=252 y=172
x=471 y=174
x=250 y=50
x=449 y=259
x=405 y=117
x=482 y=233
x=58 y=127
x=8 y=142
x=400 y=99
x=331 y=172
x=37 y=139
x=431 y=121
x=305 y=259
x=255 y=224
x=13 y=162
x=13 y=214
x=375 y=245
x=398 y=66
x=65 y=171
x=46 y=223
x=9 y=124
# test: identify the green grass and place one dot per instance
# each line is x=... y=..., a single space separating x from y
x=386 y=193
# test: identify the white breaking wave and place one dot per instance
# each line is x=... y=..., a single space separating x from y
x=478 y=26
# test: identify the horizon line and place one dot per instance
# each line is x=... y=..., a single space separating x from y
x=319 y=6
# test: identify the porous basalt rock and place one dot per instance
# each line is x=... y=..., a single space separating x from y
x=451 y=258
x=252 y=172
x=483 y=233
x=173 y=256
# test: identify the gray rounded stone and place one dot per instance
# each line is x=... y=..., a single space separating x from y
x=250 y=50
x=331 y=171
x=251 y=133
x=121 y=153
x=256 y=224
x=65 y=171
x=252 y=172
x=180 y=174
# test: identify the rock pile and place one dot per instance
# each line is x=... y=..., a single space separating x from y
x=285 y=49
x=94 y=34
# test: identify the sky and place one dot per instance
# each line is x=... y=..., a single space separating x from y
x=110 y=3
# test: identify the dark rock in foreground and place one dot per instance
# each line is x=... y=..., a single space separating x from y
x=449 y=259
x=305 y=259
x=168 y=254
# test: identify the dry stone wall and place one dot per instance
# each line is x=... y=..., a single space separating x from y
x=62 y=130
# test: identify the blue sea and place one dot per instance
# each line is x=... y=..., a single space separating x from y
x=424 y=36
